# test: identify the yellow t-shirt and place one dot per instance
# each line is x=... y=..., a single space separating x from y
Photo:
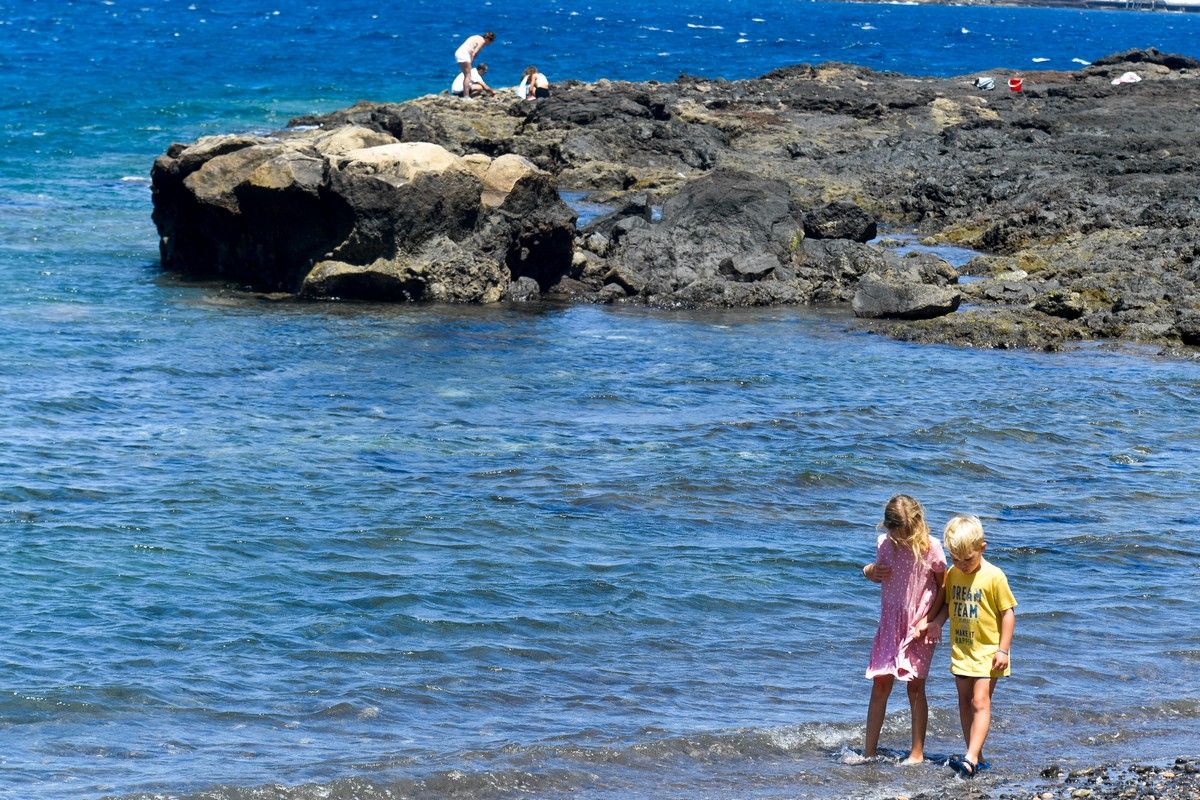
x=976 y=602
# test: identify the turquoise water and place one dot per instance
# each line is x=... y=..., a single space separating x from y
x=274 y=549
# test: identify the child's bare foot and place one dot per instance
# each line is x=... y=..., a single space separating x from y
x=854 y=759
x=913 y=758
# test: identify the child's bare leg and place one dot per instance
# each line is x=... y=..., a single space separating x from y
x=981 y=717
x=966 y=713
x=881 y=688
x=919 y=706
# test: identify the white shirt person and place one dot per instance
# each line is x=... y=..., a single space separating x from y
x=466 y=53
x=477 y=83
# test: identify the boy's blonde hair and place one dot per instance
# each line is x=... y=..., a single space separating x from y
x=963 y=535
x=904 y=520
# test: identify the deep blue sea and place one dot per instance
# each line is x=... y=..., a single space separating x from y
x=255 y=549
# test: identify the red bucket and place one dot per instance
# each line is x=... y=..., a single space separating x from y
x=1014 y=84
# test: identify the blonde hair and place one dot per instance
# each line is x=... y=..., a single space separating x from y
x=904 y=521
x=963 y=535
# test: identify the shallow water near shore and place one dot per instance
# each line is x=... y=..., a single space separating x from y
x=579 y=549
x=260 y=548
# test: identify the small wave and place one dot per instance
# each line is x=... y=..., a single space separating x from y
x=713 y=747
x=1081 y=61
x=1039 y=60
x=1110 y=725
x=707 y=27
x=338 y=711
x=445 y=783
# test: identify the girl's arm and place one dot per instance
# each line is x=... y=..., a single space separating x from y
x=937 y=609
x=1008 y=623
x=876 y=572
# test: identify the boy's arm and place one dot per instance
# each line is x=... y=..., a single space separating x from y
x=1008 y=623
x=942 y=615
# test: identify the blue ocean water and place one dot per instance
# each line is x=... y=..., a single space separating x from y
x=270 y=549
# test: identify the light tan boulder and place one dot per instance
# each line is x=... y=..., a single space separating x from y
x=402 y=162
x=349 y=137
x=502 y=175
x=289 y=170
x=215 y=181
x=478 y=163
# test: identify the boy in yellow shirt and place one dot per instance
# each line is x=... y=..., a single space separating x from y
x=980 y=607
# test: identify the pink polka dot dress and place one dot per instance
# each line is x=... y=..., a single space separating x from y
x=906 y=596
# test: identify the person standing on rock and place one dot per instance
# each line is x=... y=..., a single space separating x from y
x=466 y=53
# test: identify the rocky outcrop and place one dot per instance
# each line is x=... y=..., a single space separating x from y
x=726 y=227
x=1080 y=191
x=878 y=297
x=352 y=213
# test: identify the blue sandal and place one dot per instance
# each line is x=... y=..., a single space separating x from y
x=963 y=767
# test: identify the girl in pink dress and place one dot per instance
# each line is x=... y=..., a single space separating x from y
x=910 y=566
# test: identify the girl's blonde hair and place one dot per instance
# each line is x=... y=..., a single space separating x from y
x=904 y=521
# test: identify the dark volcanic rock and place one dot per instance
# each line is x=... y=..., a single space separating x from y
x=724 y=227
x=636 y=206
x=523 y=290
x=1148 y=56
x=1189 y=326
x=877 y=296
x=840 y=220
x=1081 y=191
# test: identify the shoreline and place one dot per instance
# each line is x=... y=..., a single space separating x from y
x=1175 y=778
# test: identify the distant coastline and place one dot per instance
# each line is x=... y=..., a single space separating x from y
x=1178 y=6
